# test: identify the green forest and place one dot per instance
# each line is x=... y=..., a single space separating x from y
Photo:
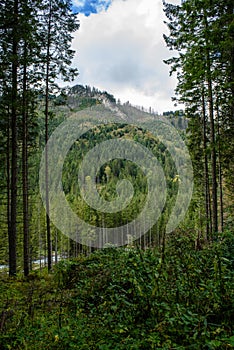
x=167 y=280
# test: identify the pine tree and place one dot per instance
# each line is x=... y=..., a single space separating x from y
x=14 y=140
x=56 y=25
x=34 y=50
x=198 y=31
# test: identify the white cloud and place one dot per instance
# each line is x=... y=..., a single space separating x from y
x=79 y=3
x=122 y=51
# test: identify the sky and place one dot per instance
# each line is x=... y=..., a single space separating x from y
x=120 y=49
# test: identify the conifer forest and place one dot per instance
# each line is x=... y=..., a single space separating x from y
x=135 y=251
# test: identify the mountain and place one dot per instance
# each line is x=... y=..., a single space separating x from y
x=93 y=125
x=80 y=97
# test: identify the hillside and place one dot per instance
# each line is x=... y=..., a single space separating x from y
x=107 y=120
x=101 y=119
x=79 y=97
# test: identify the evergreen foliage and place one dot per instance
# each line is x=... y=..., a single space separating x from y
x=199 y=32
x=160 y=291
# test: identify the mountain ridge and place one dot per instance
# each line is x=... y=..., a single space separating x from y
x=79 y=97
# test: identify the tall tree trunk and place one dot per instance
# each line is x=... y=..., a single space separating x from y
x=49 y=254
x=206 y=171
x=213 y=161
x=25 y=167
x=212 y=132
x=14 y=155
x=8 y=172
x=220 y=176
x=230 y=11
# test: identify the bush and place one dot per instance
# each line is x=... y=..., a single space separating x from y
x=127 y=299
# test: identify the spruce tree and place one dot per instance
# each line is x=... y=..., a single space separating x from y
x=199 y=32
x=57 y=22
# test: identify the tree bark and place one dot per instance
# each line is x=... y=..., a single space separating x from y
x=14 y=150
x=49 y=254
x=206 y=171
x=212 y=133
x=220 y=177
x=8 y=172
x=25 y=167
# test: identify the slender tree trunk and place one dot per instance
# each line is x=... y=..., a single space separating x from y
x=220 y=177
x=8 y=172
x=39 y=233
x=212 y=134
x=49 y=255
x=213 y=161
x=230 y=11
x=46 y=182
x=14 y=145
x=25 y=167
x=206 y=171
x=221 y=193
x=56 y=246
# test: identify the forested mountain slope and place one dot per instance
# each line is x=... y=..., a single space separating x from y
x=109 y=120
x=114 y=121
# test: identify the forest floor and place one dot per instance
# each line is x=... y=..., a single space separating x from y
x=125 y=299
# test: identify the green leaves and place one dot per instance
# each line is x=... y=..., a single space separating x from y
x=126 y=299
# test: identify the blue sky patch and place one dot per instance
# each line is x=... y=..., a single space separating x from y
x=87 y=7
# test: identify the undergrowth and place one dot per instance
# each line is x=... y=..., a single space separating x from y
x=120 y=298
